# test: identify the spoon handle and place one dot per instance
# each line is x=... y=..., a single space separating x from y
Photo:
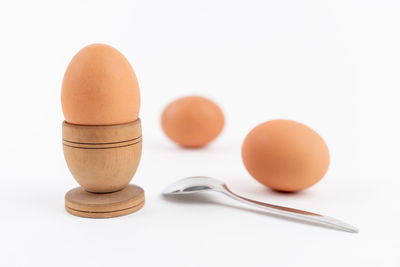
x=293 y=213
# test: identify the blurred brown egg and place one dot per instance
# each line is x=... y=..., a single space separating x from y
x=192 y=121
x=285 y=155
x=100 y=88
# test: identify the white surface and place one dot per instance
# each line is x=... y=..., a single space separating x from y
x=333 y=65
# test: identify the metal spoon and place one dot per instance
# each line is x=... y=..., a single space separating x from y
x=197 y=184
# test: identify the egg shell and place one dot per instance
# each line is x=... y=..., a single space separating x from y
x=285 y=155
x=193 y=121
x=100 y=88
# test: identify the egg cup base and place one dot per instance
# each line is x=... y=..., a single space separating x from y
x=82 y=203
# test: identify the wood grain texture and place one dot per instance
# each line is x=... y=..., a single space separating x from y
x=103 y=159
x=104 y=214
x=93 y=205
x=79 y=199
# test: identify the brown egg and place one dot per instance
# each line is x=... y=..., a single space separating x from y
x=100 y=88
x=285 y=155
x=192 y=121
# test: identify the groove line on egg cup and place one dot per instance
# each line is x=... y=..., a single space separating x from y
x=102 y=215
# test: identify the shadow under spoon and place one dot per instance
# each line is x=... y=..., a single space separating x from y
x=196 y=184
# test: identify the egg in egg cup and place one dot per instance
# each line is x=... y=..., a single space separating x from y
x=102 y=134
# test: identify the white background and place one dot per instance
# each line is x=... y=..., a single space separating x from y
x=333 y=65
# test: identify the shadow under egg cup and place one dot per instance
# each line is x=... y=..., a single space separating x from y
x=103 y=160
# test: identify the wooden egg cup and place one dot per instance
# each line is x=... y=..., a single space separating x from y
x=103 y=160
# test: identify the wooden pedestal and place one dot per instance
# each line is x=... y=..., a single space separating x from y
x=81 y=203
x=103 y=160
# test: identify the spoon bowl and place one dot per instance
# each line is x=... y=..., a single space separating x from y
x=194 y=184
